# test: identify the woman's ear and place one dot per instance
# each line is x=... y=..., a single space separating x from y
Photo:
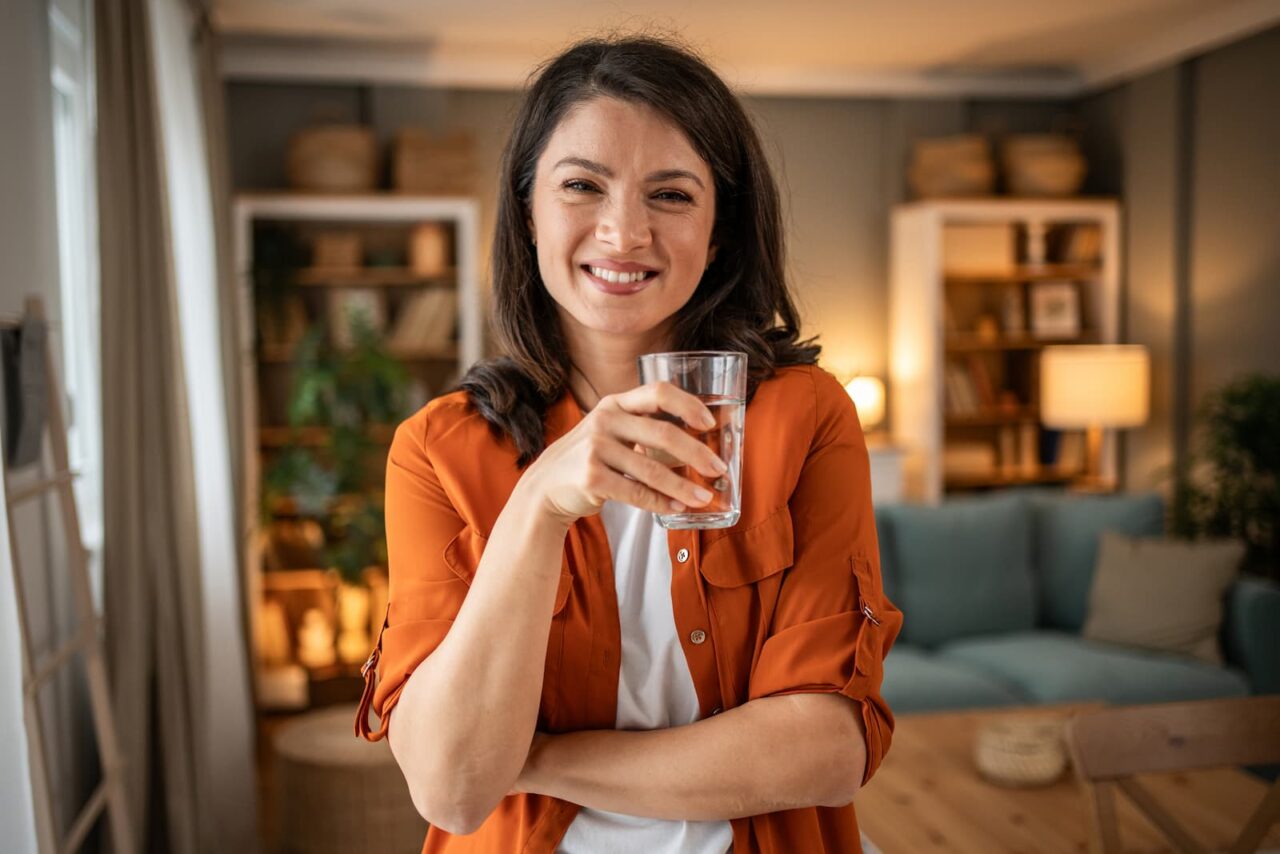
x=711 y=254
x=533 y=232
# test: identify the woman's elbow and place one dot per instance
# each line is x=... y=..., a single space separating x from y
x=449 y=814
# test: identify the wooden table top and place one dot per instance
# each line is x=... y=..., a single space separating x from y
x=928 y=796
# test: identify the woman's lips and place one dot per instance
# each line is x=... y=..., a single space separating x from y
x=618 y=288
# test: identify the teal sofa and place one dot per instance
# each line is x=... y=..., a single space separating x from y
x=995 y=590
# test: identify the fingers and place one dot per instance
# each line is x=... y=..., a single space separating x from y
x=607 y=484
x=674 y=444
x=653 y=477
x=662 y=397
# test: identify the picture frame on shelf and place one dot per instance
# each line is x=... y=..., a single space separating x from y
x=1055 y=309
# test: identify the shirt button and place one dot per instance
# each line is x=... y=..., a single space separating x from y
x=697 y=636
x=682 y=555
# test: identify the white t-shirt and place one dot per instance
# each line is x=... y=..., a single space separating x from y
x=655 y=689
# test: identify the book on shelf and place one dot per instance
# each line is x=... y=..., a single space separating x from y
x=969 y=388
x=426 y=321
x=981 y=379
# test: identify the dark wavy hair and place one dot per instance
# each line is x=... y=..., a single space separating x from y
x=742 y=302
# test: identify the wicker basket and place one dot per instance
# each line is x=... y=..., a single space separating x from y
x=333 y=159
x=422 y=162
x=336 y=793
x=952 y=166
x=1043 y=165
x=1021 y=752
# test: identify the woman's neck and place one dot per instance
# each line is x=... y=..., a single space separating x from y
x=603 y=364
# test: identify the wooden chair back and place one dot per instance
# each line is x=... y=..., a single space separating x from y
x=1109 y=747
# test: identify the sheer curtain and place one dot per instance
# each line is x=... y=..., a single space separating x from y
x=183 y=44
x=171 y=550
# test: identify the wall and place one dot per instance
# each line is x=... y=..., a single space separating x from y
x=1197 y=162
x=1235 y=220
x=27 y=243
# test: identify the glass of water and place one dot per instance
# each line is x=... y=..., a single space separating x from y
x=719 y=379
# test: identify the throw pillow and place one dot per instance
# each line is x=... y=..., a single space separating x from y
x=1161 y=594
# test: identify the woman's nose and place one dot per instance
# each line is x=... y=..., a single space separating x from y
x=624 y=225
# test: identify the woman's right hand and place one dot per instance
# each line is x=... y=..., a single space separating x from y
x=603 y=457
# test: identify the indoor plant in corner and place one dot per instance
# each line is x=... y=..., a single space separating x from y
x=1232 y=486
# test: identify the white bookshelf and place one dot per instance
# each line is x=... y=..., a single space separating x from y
x=370 y=214
x=923 y=336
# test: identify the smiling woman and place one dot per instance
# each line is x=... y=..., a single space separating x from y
x=565 y=675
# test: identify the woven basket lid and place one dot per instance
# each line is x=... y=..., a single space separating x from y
x=326 y=737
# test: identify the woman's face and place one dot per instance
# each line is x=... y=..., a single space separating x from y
x=622 y=211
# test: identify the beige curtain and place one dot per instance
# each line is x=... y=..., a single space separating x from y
x=212 y=100
x=151 y=581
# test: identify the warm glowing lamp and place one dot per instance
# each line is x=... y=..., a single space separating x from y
x=1094 y=387
x=868 y=399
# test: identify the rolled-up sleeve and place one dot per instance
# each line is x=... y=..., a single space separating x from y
x=424 y=593
x=832 y=625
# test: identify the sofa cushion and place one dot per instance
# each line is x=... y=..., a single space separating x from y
x=1051 y=666
x=917 y=681
x=1067 y=527
x=1164 y=595
x=961 y=568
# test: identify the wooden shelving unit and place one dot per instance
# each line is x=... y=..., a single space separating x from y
x=384 y=224
x=964 y=355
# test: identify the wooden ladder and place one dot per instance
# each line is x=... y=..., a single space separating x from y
x=86 y=640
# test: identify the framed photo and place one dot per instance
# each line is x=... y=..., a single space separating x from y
x=1055 y=309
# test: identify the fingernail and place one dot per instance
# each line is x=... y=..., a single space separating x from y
x=720 y=465
x=708 y=421
x=703 y=494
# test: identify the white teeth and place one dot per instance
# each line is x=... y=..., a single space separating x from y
x=616 y=277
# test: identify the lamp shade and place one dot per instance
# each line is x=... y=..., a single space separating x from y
x=1102 y=385
x=868 y=399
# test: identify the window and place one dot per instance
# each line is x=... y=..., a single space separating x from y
x=75 y=325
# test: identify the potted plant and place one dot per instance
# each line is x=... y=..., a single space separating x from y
x=349 y=393
x=1231 y=488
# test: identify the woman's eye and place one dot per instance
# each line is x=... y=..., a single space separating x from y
x=673 y=196
x=580 y=186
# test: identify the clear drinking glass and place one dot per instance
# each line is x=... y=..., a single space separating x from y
x=719 y=379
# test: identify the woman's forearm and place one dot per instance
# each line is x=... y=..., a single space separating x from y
x=771 y=754
x=462 y=727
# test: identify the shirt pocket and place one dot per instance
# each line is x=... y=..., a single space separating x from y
x=463 y=557
x=736 y=557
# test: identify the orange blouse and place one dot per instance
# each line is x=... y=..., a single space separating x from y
x=788 y=600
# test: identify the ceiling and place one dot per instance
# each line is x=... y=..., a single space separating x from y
x=817 y=47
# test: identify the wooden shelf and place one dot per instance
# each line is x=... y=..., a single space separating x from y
x=996 y=481
x=1037 y=273
x=279 y=437
x=961 y=343
x=285 y=355
x=372 y=277
x=993 y=418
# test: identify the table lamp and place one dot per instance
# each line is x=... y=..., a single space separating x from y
x=868 y=399
x=1094 y=387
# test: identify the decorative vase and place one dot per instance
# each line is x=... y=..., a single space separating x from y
x=353 y=623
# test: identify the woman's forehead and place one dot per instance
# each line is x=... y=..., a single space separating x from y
x=622 y=136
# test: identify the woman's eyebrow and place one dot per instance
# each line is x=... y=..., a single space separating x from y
x=605 y=171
